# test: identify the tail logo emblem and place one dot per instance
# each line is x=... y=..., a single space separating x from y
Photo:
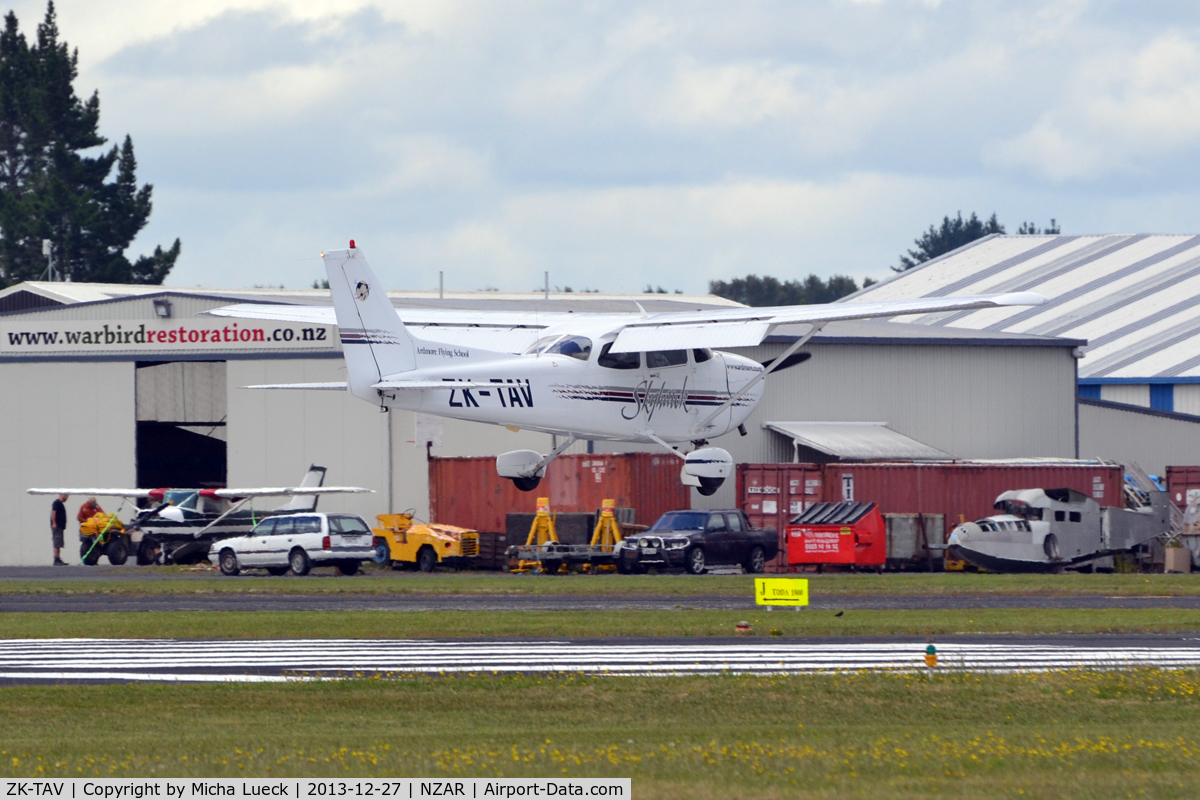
x=362 y=290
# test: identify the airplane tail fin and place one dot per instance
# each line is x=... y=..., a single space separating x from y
x=306 y=502
x=374 y=340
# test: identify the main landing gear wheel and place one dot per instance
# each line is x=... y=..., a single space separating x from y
x=277 y=571
x=526 y=484
x=229 y=563
x=147 y=552
x=348 y=567
x=709 y=486
x=695 y=561
x=298 y=561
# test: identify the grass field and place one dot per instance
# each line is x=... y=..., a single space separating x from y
x=681 y=622
x=1088 y=734
x=182 y=581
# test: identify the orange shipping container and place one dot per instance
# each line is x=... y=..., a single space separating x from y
x=467 y=491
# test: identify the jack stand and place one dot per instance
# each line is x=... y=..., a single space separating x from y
x=606 y=536
x=540 y=532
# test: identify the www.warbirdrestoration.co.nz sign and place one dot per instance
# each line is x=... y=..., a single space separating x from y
x=168 y=336
x=310 y=789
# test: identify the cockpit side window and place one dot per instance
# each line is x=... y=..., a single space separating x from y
x=665 y=358
x=618 y=360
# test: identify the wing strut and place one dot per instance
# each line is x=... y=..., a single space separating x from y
x=803 y=340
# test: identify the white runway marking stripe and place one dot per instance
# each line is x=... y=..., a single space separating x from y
x=278 y=659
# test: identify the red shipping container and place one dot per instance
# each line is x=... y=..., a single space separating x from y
x=467 y=491
x=957 y=490
x=838 y=533
x=770 y=495
x=1180 y=480
x=965 y=490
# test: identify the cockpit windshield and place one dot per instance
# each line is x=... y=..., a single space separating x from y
x=183 y=498
x=579 y=347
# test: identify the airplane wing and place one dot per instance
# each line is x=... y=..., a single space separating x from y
x=94 y=492
x=513 y=331
x=272 y=491
x=745 y=327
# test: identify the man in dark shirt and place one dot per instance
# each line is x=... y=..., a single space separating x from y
x=58 y=523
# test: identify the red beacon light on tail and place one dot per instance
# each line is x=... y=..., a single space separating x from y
x=351 y=244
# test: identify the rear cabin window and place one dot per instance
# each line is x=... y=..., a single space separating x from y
x=1060 y=516
x=702 y=354
x=665 y=358
x=1075 y=516
x=618 y=360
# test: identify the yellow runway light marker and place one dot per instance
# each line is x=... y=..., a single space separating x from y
x=771 y=592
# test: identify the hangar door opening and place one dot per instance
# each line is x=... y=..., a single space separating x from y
x=181 y=424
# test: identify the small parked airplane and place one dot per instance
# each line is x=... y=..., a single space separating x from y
x=648 y=378
x=182 y=524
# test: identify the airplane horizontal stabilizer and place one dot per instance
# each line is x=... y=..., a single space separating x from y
x=454 y=384
x=333 y=386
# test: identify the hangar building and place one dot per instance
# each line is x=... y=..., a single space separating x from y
x=131 y=386
x=1134 y=298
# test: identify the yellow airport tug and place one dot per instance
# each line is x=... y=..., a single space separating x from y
x=401 y=543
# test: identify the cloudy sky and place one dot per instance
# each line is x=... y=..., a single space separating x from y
x=617 y=144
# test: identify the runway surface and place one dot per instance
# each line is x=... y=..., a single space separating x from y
x=411 y=602
x=277 y=660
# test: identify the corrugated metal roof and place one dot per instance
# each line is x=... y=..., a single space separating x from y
x=595 y=302
x=1135 y=298
x=857 y=441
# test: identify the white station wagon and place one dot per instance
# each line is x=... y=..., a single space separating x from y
x=297 y=542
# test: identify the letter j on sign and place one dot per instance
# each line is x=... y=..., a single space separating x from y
x=781 y=591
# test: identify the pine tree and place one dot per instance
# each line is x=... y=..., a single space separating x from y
x=951 y=235
x=48 y=188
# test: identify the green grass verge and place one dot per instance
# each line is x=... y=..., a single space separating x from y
x=1052 y=735
x=180 y=581
x=681 y=622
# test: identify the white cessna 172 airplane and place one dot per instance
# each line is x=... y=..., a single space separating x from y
x=620 y=377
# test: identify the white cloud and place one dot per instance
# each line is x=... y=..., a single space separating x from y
x=631 y=142
x=1124 y=113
